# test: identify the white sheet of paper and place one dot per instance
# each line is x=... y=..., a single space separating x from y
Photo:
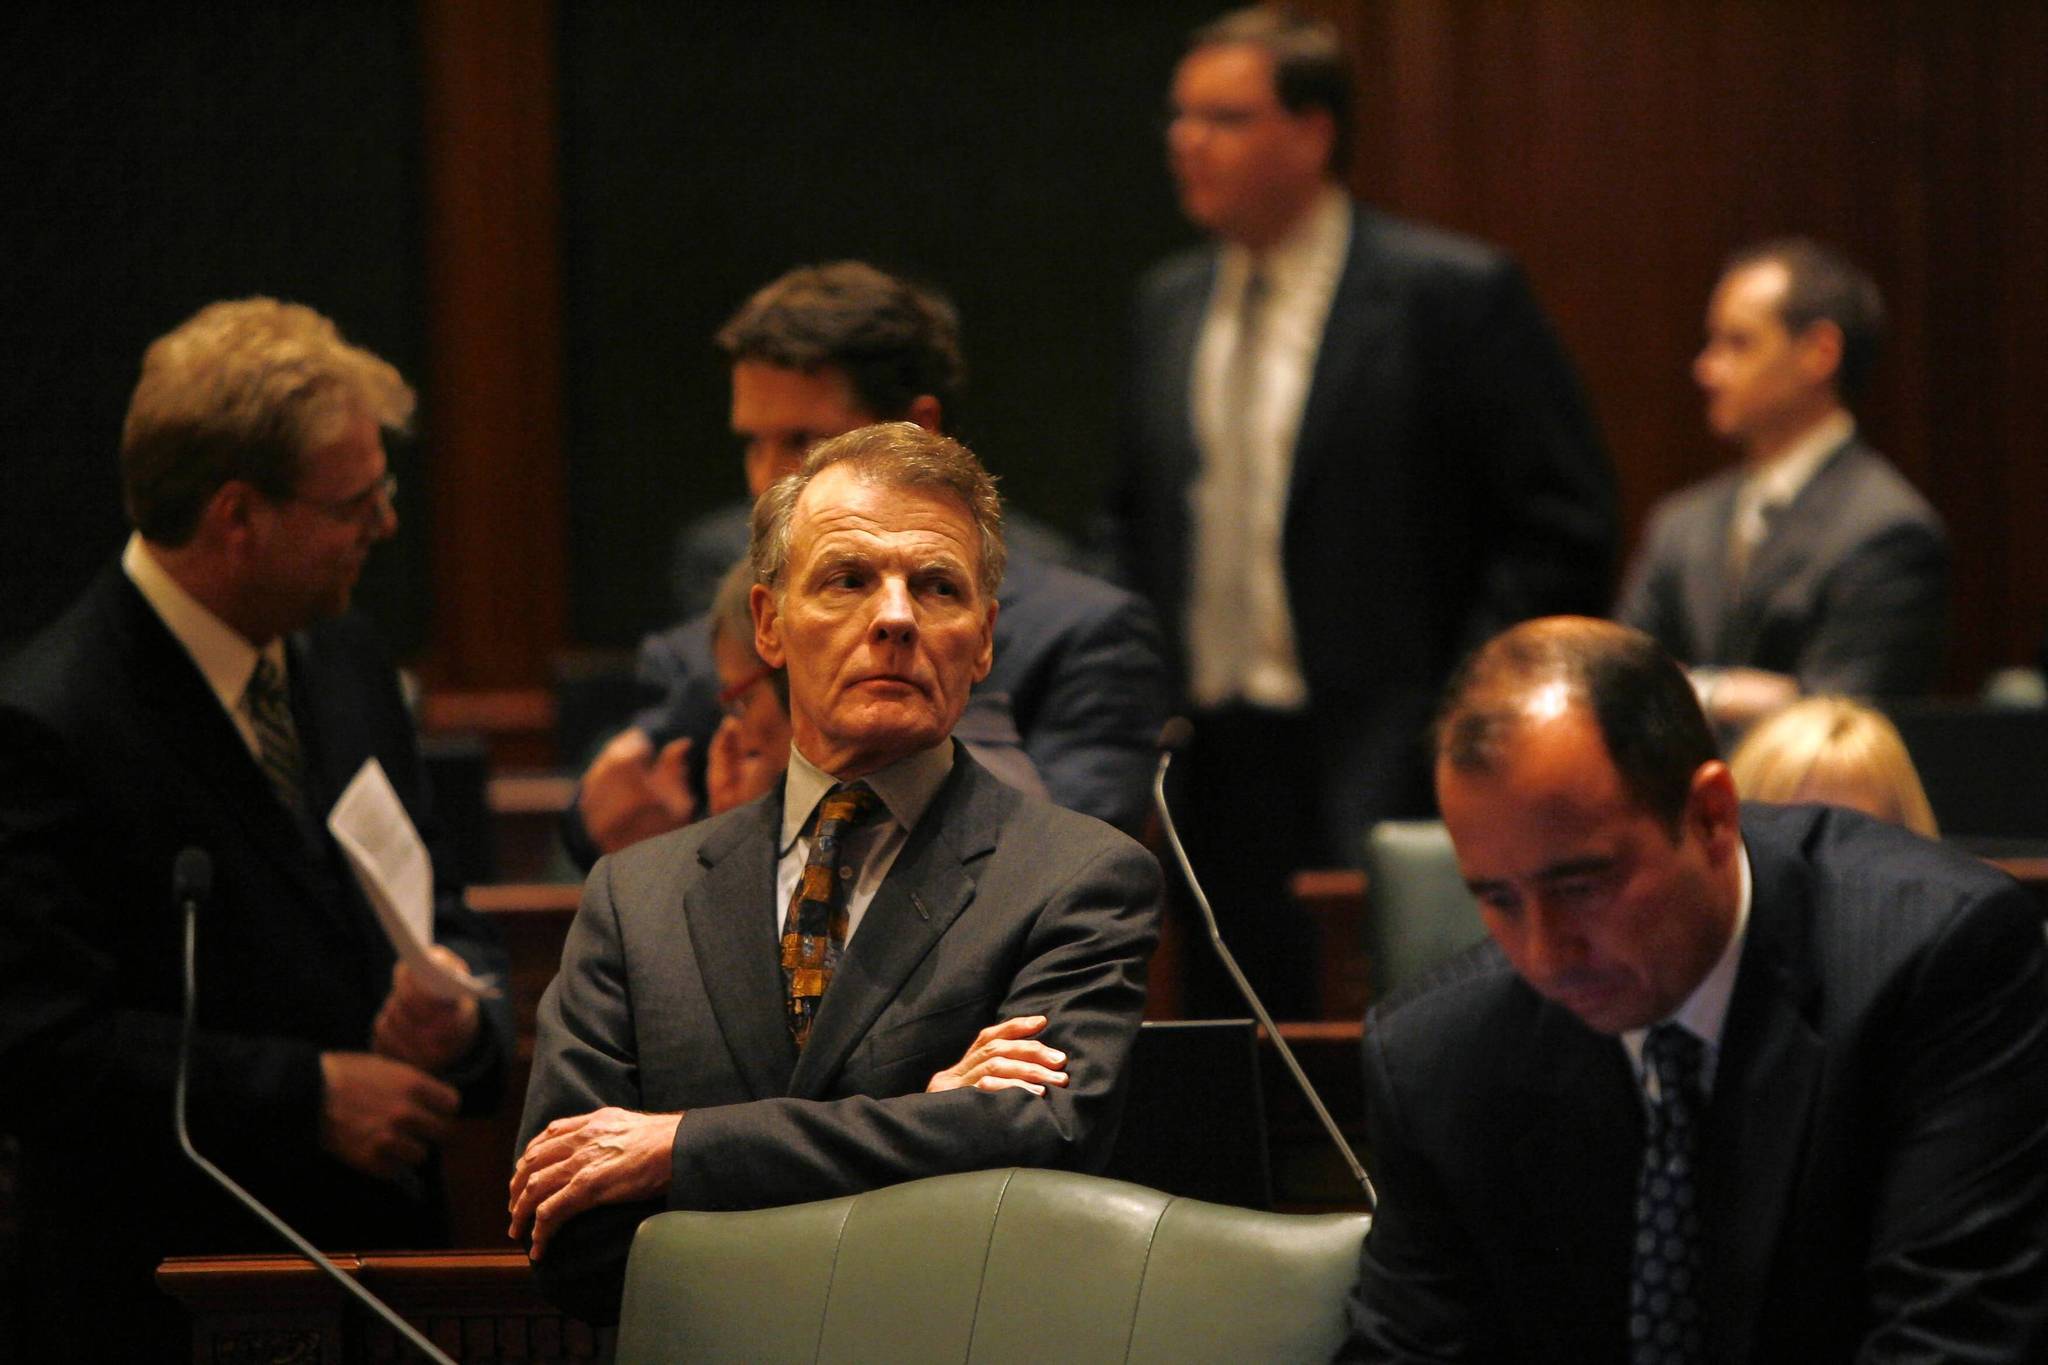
x=391 y=865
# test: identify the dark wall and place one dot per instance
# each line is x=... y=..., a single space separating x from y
x=1623 y=150
x=1007 y=152
x=161 y=156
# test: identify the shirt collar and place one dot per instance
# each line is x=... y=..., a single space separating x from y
x=1705 y=1011
x=223 y=657
x=906 y=788
x=1784 y=478
x=1311 y=254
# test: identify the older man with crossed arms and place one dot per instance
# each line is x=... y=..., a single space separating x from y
x=893 y=965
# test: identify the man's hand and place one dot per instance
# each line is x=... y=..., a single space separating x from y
x=735 y=774
x=420 y=1028
x=609 y=1156
x=632 y=793
x=1005 y=1055
x=381 y=1116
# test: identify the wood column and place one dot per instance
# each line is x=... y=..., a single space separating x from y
x=493 y=419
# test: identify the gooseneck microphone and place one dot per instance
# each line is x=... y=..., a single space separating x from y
x=1173 y=737
x=191 y=887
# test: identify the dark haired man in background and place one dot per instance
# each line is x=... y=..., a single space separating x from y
x=1078 y=681
x=1728 y=1083
x=1812 y=566
x=1355 y=450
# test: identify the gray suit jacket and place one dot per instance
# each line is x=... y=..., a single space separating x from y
x=670 y=998
x=1847 y=593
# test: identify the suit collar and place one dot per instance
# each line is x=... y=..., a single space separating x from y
x=734 y=940
x=1772 y=1059
x=1361 y=337
x=930 y=886
x=185 y=718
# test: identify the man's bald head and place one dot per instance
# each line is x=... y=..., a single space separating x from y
x=1645 y=710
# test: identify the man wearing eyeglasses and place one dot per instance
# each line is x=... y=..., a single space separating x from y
x=209 y=691
x=1354 y=450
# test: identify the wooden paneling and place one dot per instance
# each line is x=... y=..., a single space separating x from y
x=1623 y=150
x=493 y=278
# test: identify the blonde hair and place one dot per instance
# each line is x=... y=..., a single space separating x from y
x=241 y=390
x=1835 y=750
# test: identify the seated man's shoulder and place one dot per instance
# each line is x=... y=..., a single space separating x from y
x=1040 y=597
x=1884 y=498
x=667 y=860
x=1888 y=910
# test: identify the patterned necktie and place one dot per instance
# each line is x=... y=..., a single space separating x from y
x=1664 y=1323
x=814 y=933
x=269 y=705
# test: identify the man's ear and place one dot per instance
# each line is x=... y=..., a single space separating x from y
x=1820 y=352
x=229 y=517
x=925 y=411
x=988 y=642
x=1713 y=808
x=767 y=625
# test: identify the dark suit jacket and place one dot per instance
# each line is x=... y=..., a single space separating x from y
x=1079 y=661
x=1847 y=593
x=1447 y=482
x=670 y=998
x=114 y=755
x=1874 y=1168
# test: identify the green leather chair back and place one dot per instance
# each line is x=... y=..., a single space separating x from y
x=991 y=1266
x=1418 y=911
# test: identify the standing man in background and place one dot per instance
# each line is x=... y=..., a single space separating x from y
x=1812 y=566
x=209 y=692
x=1355 y=450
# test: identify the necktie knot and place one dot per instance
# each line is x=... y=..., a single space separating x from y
x=1673 y=1053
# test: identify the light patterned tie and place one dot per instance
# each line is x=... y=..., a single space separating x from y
x=814 y=932
x=268 y=703
x=1664 y=1323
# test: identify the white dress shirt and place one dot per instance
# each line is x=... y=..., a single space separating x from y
x=223 y=657
x=1241 y=642
x=906 y=787
x=1779 y=482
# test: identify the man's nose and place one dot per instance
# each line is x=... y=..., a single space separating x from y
x=1551 y=946
x=1703 y=369
x=895 y=619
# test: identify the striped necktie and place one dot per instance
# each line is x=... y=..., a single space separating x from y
x=268 y=703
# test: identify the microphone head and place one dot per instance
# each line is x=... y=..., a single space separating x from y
x=1175 y=734
x=192 y=875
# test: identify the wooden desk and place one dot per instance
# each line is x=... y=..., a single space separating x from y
x=480 y=1307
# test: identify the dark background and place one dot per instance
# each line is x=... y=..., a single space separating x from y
x=540 y=210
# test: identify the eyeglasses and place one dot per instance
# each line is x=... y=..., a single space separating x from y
x=1215 y=118
x=732 y=700
x=357 y=507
